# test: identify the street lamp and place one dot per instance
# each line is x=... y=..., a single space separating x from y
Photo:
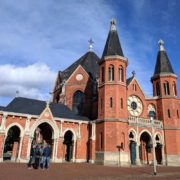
x=152 y=115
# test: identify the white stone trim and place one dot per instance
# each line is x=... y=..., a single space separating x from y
x=147 y=131
x=15 y=124
x=73 y=132
x=51 y=123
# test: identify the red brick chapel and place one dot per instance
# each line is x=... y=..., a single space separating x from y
x=99 y=115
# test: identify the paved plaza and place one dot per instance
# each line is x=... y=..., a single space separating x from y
x=67 y=171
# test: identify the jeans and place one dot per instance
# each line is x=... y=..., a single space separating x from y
x=46 y=161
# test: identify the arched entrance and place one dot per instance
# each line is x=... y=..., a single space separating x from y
x=158 y=150
x=11 y=146
x=132 y=148
x=68 y=142
x=43 y=132
x=145 y=148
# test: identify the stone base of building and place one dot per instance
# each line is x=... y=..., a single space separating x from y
x=112 y=158
x=173 y=160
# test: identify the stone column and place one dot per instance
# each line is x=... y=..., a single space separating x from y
x=92 y=141
x=2 y=142
x=2 y=127
x=55 y=149
x=27 y=124
x=137 y=154
x=164 y=160
x=74 y=151
x=79 y=130
x=19 y=152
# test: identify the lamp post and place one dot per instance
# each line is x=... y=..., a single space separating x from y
x=152 y=115
x=119 y=149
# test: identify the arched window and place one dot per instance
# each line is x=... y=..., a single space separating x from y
x=134 y=87
x=78 y=102
x=121 y=72
x=157 y=89
x=102 y=74
x=121 y=103
x=169 y=113
x=111 y=73
x=174 y=89
x=166 y=88
x=111 y=102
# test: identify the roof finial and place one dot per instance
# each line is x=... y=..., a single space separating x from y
x=133 y=73
x=161 y=45
x=113 y=25
x=90 y=44
x=17 y=93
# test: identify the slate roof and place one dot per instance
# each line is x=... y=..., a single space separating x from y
x=36 y=107
x=128 y=81
x=163 y=64
x=113 y=46
x=88 y=61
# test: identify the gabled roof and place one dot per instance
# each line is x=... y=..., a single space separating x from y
x=163 y=65
x=113 y=46
x=128 y=81
x=36 y=107
x=88 y=61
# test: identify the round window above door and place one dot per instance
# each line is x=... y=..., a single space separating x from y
x=135 y=106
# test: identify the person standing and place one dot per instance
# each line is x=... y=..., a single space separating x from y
x=32 y=156
x=46 y=155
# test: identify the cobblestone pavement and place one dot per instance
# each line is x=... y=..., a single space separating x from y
x=71 y=171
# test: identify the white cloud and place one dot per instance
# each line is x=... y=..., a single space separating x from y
x=34 y=81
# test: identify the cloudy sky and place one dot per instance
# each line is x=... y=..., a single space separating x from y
x=40 y=37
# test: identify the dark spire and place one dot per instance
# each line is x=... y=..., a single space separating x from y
x=113 y=46
x=163 y=65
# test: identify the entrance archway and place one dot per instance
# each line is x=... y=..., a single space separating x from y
x=68 y=141
x=11 y=146
x=43 y=132
x=145 y=148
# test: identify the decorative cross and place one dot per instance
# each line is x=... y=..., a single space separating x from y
x=90 y=44
x=133 y=73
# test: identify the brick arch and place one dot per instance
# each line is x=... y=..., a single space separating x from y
x=160 y=137
x=145 y=130
x=51 y=123
x=15 y=124
x=73 y=132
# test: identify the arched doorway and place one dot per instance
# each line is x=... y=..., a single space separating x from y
x=145 y=148
x=43 y=132
x=68 y=142
x=158 y=150
x=78 y=102
x=11 y=146
x=132 y=148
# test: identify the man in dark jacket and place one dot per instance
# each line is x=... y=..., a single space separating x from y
x=46 y=155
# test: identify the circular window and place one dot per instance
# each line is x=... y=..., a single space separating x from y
x=134 y=105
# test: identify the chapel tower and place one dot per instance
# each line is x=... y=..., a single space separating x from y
x=165 y=91
x=112 y=101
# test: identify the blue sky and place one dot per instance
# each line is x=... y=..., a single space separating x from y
x=40 y=37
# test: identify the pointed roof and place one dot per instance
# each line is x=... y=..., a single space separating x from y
x=163 y=65
x=89 y=61
x=113 y=46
